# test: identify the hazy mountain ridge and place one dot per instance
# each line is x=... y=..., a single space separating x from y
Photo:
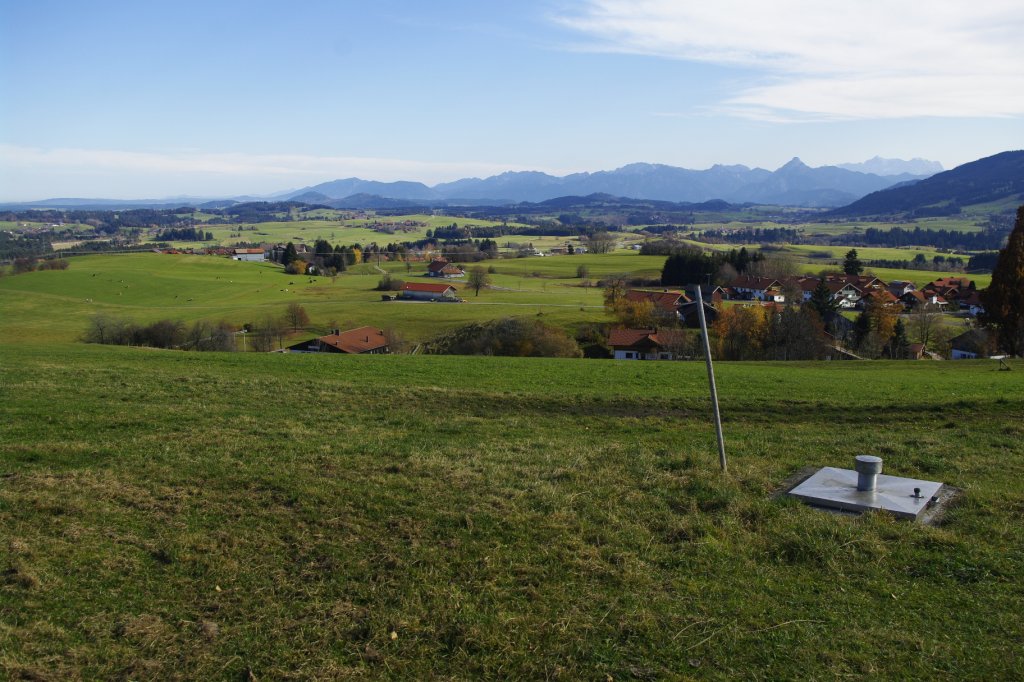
x=795 y=183
x=884 y=167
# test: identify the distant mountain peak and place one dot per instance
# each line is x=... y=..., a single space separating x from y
x=794 y=164
x=882 y=166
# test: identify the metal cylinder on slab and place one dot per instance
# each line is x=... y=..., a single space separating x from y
x=868 y=467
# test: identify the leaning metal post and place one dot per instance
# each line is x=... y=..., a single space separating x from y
x=711 y=379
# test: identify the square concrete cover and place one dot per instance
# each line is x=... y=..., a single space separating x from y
x=837 y=489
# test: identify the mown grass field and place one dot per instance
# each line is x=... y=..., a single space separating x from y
x=169 y=515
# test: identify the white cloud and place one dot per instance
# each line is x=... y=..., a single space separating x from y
x=32 y=172
x=829 y=59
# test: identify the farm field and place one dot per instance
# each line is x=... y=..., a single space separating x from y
x=334 y=226
x=56 y=306
x=218 y=516
x=841 y=227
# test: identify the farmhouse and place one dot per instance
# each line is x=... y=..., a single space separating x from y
x=440 y=267
x=249 y=254
x=428 y=291
x=760 y=288
x=664 y=301
x=644 y=344
x=969 y=345
x=354 y=341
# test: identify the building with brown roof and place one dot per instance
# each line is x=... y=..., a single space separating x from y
x=354 y=341
x=645 y=344
x=428 y=291
x=440 y=267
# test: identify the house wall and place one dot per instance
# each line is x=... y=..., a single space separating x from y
x=639 y=355
x=958 y=354
x=249 y=257
x=426 y=296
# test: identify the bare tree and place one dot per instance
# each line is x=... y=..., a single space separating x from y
x=295 y=316
x=478 y=279
x=925 y=321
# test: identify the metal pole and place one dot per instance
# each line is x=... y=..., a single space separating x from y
x=711 y=379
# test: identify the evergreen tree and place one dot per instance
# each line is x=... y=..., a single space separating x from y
x=821 y=300
x=899 y=345
x=290 y=254
x=1004 y=298
x=852 y=265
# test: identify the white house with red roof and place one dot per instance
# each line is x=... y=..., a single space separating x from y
x=644 y=344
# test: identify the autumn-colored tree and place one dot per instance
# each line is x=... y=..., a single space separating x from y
x=614 y=289
x=1004 y=298
x=634 y=314
x=740 y=332
x=296 y=267
x=874 y=328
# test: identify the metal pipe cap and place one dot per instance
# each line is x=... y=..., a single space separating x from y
x=868 y=464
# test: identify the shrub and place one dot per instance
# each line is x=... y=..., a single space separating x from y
x=509 y=337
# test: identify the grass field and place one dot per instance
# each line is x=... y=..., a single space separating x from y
x=57 y=305
x=169 y=515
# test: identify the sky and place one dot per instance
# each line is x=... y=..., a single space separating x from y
x=208 y=98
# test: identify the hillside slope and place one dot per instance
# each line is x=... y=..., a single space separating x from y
x=992 y=179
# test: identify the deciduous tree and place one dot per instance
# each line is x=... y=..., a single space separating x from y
x=478 y=279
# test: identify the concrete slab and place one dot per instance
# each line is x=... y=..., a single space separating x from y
x=837 y=489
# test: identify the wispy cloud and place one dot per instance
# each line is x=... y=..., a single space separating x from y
x=29 y=173
x=833 y=59
x=286 y=167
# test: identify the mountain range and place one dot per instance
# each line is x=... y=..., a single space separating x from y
x=794 y=184
x=996 y=180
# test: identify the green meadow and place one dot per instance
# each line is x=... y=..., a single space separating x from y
x=173 y=515
x=56 y=306
x=176 y=515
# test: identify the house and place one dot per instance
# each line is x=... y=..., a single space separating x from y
x=951 y=288
x=915 y=351
x=881 y=296
x=249 y=254
x=689 y=314
x=974 y=343
x=760 y=288
x=664 y=301
x=358 y=341
x=428 y=291
x=645 y=344
x=899 y=287
x=972 y=304
x=440 y=267
x=845 y=294
x=916 y=299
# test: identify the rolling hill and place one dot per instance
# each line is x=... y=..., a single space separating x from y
x=994 y=179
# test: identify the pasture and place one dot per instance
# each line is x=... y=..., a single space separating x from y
x=51 y=306
x=224 y=516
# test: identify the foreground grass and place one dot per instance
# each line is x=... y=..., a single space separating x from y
x=202 y=516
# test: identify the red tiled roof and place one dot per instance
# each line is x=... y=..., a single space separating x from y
x=427 y=286
x=361 y=340
x=666 y=300
x=628 y=338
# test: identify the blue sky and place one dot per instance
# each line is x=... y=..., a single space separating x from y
x=154 y=99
